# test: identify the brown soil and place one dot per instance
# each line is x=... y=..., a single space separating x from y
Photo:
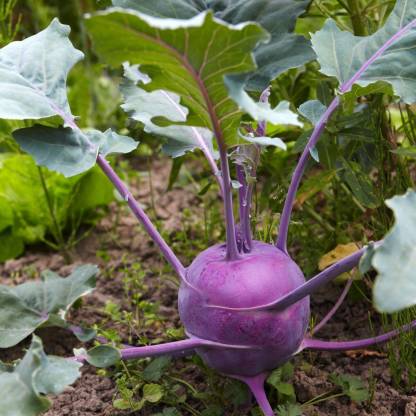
x=124 y=243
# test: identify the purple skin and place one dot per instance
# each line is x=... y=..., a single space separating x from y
x=264 y=274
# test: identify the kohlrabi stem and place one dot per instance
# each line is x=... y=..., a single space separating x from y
x=141 y=216
x=262 y=126
x=334 y=309
x=298 y=173
x=247 y=213
x=244 y=205
x=246 y=191
x=55 y=225
x=317 y=132
x=256 y=385
x=232 y=249
x=321 y=345
x=175 y=348
x=128 y=197
x=170 y=348
x=307 y=288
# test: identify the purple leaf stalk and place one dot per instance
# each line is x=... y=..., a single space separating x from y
x=245 y=304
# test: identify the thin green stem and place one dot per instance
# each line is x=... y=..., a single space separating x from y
x=309 y=210
x=329 y=14
x=356 y=16
x=320 y=399
x=57 y=230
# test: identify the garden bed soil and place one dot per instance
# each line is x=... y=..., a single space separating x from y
x=124 y=243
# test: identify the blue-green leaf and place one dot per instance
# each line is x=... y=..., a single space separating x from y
x=395 y=258
x=102 y=356
x=342 y=54
x=62 y=150
x=111 y=142
x=265 y=141
x=281 y=114
x=69 y=151
x=22 y=387
x=27 y=306
x=145 y=106
x=284 y=51
x=155 y=370
x=33 y=74
x=313 y=110
x=366 y=261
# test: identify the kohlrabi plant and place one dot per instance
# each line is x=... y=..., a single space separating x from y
x=191 y=70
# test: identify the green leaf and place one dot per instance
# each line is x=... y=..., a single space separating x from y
x=93 y=95
x=32 y=304
x=313 y=110
x=285 y=49
x=36 y=374
x=290 y=409
x=169 y=411
x=406 y=152
x=155 y=370
x=351 y=386
x=174 y=172
x=56 y=375
x=378 y=87
x=286 y=389
x=83 y=200
x=265 y=141
x=236 y=393
x=11 y=245
x=62 y=150
x=342 y=54
x=360 y=184
x=313 y=184
x=110 y=142
x=121 y=404
x=213 y=410
x=152 y=392
x=145 y=106
x=187 y=58
x=179 y=9
x=6 y=218
x=103 y=356
x=281 y=114
x=70 y=151
x=33 y=74
x=83 y=334
x=21 y=189
x=395 y=259
x=366 y=261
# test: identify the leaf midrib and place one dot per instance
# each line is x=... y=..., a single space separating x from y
x=210 y=109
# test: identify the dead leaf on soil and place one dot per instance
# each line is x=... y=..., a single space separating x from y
x=365 y=353
x=338 y=253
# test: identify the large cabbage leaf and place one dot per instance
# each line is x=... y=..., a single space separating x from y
x=388 y=55
x=188 y=58
x=284 y=51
